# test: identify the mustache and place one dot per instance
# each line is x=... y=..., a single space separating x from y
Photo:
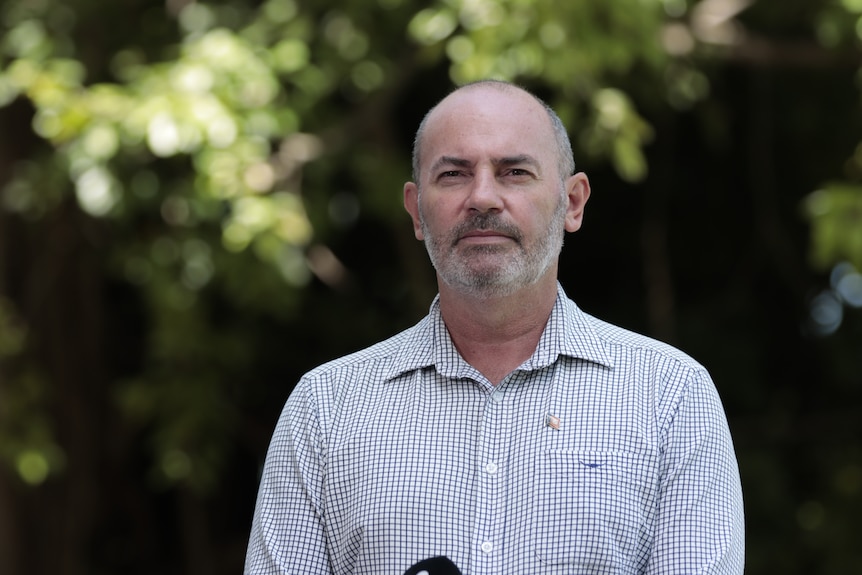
x=487 y=222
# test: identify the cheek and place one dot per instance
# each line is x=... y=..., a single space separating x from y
x=437 y=218
x=432 y=230
x=538 y=225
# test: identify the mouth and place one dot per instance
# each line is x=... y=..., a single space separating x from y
x=484 y=237
x=487 y=230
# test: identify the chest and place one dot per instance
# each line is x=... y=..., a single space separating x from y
x=441 y=467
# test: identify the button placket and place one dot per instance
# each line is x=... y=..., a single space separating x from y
x=490 y=485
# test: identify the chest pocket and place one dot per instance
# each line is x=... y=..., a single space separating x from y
x=594 y=509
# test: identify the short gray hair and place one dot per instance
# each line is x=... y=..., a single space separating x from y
x=561 y=135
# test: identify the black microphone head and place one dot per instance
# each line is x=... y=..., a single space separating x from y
x=434 y=566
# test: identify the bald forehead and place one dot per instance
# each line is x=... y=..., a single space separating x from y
x=483 y=95
x=494 y=106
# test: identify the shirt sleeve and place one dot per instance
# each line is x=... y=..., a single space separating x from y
x=700 y=527
x=287 y=534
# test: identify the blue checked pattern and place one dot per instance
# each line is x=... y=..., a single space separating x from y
x=604 y=453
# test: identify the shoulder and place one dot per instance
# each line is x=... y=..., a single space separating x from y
x=380 y=353
x=585 y=336
x=660 y=374
x=379 y=361
x=619 y=340
x=350 y=385
x=636 y=361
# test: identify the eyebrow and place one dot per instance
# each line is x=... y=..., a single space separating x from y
x=450 y=161
x=504 y=161
x=516 y=160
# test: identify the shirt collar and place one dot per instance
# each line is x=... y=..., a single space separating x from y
x=569 y=332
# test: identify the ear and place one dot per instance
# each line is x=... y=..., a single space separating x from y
x=578 y=191
x=411 y=204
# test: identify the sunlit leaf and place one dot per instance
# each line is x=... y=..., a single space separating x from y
x=835 y=213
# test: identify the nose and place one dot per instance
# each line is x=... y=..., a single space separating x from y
x=484 y=193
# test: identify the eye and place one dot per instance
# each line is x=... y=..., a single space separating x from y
x=519 y=173
x=449 y=176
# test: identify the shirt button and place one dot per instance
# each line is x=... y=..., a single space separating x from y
x=497 y=396
x=491 y=468
x=487 y=546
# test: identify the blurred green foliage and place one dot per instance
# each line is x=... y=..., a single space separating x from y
x=835 y=212
x=208 y=139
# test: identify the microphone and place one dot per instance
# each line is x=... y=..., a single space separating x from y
x=434 y=566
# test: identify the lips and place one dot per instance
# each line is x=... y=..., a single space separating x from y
x=485 y=234
x=485 y=228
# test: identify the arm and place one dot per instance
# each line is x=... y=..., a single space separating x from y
x=287 y=534
x=700 y=528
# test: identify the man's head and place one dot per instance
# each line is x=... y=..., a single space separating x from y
x=494 y=190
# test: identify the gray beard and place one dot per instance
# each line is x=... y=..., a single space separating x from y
x=510 y=271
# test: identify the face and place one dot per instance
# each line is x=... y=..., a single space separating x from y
x=488 y=254
x=491 y=204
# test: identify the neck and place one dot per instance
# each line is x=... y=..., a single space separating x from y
x=497 y=334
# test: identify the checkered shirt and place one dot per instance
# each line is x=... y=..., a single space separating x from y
x=604 y=453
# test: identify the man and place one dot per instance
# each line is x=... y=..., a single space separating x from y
x=507 y=432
